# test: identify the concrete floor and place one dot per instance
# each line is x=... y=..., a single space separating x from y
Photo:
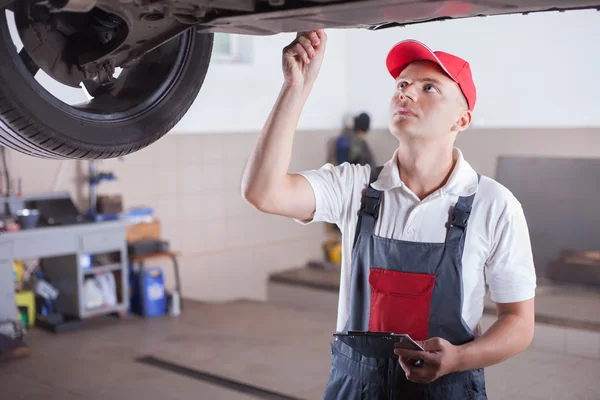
x=277 y=348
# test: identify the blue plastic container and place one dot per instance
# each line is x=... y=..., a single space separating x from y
x=153 y=301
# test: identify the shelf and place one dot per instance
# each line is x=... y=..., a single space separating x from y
x=103 y=310
x=102 y=269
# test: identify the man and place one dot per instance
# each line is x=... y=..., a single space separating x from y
x=352 y=147
x=423 y=235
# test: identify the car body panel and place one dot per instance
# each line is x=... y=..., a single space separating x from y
x=377 y=14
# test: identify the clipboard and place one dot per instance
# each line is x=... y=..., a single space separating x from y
x=377 y=344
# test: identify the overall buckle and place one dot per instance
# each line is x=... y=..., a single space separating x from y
x=370 y=203
x=460 y=218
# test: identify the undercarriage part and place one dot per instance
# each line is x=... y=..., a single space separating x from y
x=45 y=46
x=55 y=41
x=372 y=14
x=80 y=6
x=233 y=5
x=77 y=47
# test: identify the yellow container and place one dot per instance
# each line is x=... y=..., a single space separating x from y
x=26 y=298
x=333 y=250
x=18 y=272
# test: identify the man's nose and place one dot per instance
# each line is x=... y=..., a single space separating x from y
x=408 y=93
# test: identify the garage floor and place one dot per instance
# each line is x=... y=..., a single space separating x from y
x=272 y=348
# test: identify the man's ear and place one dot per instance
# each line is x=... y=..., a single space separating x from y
x=463 y=122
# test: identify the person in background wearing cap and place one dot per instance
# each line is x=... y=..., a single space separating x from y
x=423 y=234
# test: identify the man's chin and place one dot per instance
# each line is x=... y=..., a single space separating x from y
x=400 y=130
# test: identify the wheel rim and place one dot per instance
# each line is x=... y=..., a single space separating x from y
x=136 y=90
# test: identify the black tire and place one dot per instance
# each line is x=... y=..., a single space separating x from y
x=34 y=122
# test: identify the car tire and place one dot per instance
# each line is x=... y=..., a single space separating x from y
x=34 y=122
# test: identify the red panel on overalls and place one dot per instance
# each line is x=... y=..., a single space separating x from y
x=400 y=302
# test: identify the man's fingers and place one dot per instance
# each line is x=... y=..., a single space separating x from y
x=414 y=354
x=307 y=45
x=302 y=47
x=413 y=374
x=405 y=364
x=298 y=50
x=416 y=374
x=433 y=344
x=322 y=36
x=314 y=38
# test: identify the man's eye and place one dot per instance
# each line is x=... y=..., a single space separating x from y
x=430 y=88
x=402 y=85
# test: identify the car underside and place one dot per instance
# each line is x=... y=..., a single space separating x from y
x=83 y=42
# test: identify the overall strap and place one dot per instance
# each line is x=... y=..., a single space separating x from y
x=369 y=206
x=460 y=217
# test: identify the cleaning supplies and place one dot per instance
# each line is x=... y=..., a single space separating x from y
x=175 y=306
x=152 y=301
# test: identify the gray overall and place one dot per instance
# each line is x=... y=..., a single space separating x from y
x=404 y=287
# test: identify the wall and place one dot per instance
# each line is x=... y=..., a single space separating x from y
x=531 y=71
x=193 y=182
x=549 y=207
x=239 y=97
x=558 y=196
x=228 y=248
x=482 y=146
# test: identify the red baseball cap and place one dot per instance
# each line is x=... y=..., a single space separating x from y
x=456 y=68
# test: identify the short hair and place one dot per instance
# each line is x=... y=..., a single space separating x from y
x=362 y=122
x=462 y=100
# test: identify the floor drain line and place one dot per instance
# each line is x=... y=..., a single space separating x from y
x=214 y=379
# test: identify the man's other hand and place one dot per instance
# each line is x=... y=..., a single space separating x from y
x=439 y=358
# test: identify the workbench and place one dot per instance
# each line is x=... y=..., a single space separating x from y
x=61 y=248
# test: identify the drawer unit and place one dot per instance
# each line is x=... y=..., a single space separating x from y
x=109 y=240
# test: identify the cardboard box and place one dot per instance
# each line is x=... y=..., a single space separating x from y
x=106 y=204
x=143 y=230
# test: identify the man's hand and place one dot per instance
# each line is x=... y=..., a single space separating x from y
x=303 y=57
x=439 y=358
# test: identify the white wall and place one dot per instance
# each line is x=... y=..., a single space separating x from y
x=239 y=97
x=532 y=71
x=539 y=70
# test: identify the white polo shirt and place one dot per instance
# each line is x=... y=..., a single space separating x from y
x=497 y=246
